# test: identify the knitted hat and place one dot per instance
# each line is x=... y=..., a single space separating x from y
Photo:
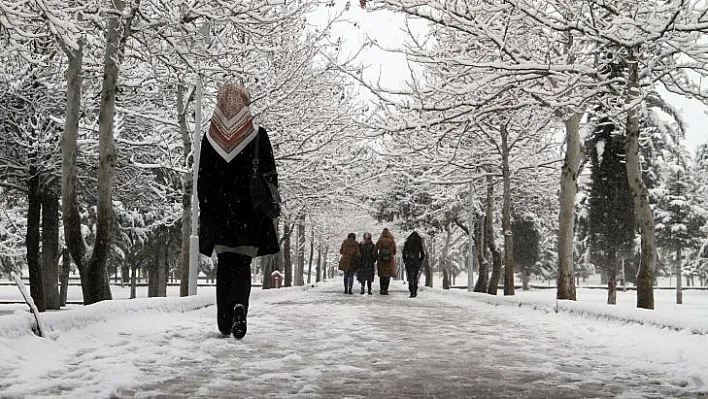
x=231 y=127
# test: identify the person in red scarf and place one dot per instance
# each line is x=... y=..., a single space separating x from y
x=227 y=222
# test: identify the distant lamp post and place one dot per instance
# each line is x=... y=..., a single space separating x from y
x=194 y=237
x=471 y=260
x=204 y=30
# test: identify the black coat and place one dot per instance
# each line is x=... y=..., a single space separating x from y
x=367 y=261
x=413 y=252
x=225 y=214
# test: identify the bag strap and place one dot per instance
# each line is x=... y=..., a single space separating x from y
x=255 y=160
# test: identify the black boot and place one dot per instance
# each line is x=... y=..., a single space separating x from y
x=362 y=288
x=240 y=326
x=369 y=285
x=233 y=290
x=224 y=319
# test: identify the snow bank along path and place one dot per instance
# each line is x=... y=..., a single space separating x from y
x=664 y=319
x=320 y=343
x=20 y=323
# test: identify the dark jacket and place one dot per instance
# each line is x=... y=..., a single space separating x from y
x=367 y=252
x=225 y=214
x=386 y=268
x=350 y=255
x=413 y=251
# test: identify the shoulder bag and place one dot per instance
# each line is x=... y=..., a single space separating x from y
x=265 y=198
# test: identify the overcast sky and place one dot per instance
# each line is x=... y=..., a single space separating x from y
x=695 y=115
x=386 y=28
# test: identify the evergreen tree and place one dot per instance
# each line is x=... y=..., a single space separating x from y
x=526 y=246
x=697 y=264
x=611 y=219
x=678 y=218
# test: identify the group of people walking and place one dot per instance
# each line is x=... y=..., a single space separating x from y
x=360 y=259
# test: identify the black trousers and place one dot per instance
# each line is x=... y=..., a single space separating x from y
x=412 y=273
x=384 y=282
x=233 y=286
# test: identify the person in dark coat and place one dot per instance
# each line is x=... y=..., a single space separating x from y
x=386 y=259
x=367 y=251
x=349 y=260
x=227 y=222
x=413 y=255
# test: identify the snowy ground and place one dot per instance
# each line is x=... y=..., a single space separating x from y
x=318 y=342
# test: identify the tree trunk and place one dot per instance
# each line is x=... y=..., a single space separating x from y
x=525 y=278
x=645 y=219
x=267 y=262
x=318 y=268
x=299 y=275
x=611 y=278
x=425 y=266
x=489 y=239
x=186 y=192
x=679 y=278
x=72 y=221
x=34 y=211
x=117 y=31
x=133 y=282
x=566 y=215
x=445 y=258
x=287 y=260
x=324 y=263
x=471 y=251
x=124 y=274
x=153 y=284
x=483 y=278
x=509 y=288
x=152 y=279
x=162 y=266
x=312 y=254
x=50 y=250
x=65 y=270
x=94 y=279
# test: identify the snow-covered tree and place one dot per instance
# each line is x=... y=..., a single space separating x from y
x=526 y=248
x=611 y=221
x=656 y=40
x=679 y=217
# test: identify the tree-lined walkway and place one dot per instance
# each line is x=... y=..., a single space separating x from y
x=323 y=343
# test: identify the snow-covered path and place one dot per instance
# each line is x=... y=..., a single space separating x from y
x=322 y=343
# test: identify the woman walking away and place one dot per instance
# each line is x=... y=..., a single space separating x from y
x=365 y=274
x=227 y=221
x=348 y=261
x=386 y=259
x=413 y=254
